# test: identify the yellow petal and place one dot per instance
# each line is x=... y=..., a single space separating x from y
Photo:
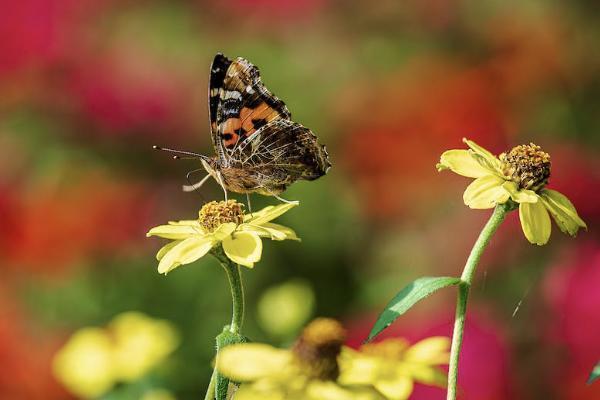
x=244 y=248
x=563 y=211
x=271 y=230
x=189 y=222
x=520 y=196
x=463 y=163
x=329 y=390
x=433 y=351
x=398 y=388
x=484 y=156
x=425 y=374
x=268 y=213
x=485 y=192
x=252 y=361
x=185 y=252
x=166 y=248
x=223 y=231
x=535 y=222
x=174 y=231
x=355 y=368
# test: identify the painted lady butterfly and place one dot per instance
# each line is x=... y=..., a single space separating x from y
x=259 y=149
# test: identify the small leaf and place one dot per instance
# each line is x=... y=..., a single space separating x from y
x=408 y=297
x=595 y=374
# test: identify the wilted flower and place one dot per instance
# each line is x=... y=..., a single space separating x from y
x=392 y=366
x=308 y=371
x=223 y=223
x=519 y=176
x=95 y=359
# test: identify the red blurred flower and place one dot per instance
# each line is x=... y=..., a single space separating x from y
x=398 y=129
x=54 y=228
x=25 y=357
x=126 y=92
x=571 y=291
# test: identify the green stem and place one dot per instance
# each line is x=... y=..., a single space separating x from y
x=237 y=296
x=463 y=292
x=210 y=392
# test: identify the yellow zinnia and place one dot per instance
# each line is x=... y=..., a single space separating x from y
x=392 y=366
x=221 y=223
x=519 y=177
x=308 y=371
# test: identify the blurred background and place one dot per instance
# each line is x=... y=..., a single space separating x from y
x=88 y=86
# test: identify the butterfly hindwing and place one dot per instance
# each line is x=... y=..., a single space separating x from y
x=285 y=146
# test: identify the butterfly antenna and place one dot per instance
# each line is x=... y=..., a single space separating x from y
x=177 y=152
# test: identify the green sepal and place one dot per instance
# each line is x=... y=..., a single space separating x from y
x=408 y=297
x=224 y=339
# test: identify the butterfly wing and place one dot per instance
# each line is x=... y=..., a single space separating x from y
x=284 y=149
x=240 y=104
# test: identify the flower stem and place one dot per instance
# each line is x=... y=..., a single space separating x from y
x=237 y=317
x=463 y=292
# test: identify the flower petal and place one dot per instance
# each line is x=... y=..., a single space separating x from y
x=223 y=231
x=535 y=222
x=244 y=248
x=252 y=361
x=398 y=388
x=166 y=248
x=174 y=231
x=483 y=155
x=432 y=351
x=485 y=192
x=271 y=230
x=185 y=252
x=563 y=211
x=520 y=196
x=355 y=368
x=269 y=213
x=463 y=163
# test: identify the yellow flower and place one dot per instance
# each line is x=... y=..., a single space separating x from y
x=140 y=343
x=520 y=177
x=85 y=363
x=392 y=366
x=94 y=359
x=308 y=371
x=221 y=223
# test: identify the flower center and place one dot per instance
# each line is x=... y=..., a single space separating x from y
x=214 y=214
x=527 y=165
x=318 y=347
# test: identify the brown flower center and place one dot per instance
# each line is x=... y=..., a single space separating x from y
x=318 y=347
x=527 y=165
x=213 y=214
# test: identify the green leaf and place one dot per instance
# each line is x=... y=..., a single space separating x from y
x=224 y=339
x=408 y=297
x=595 y=374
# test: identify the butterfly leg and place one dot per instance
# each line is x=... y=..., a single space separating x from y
x=221 y=183
x=248 y=202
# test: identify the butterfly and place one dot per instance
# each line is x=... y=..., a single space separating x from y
x=258 y=148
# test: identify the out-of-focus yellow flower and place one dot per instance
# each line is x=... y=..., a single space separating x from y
x=284 y=308
x=308 y=371
x=221 y=223
x=94 y=359
x=85 y=363
x=392 y=366
x=519 y=176
x=158 y=394
x=140 y=343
